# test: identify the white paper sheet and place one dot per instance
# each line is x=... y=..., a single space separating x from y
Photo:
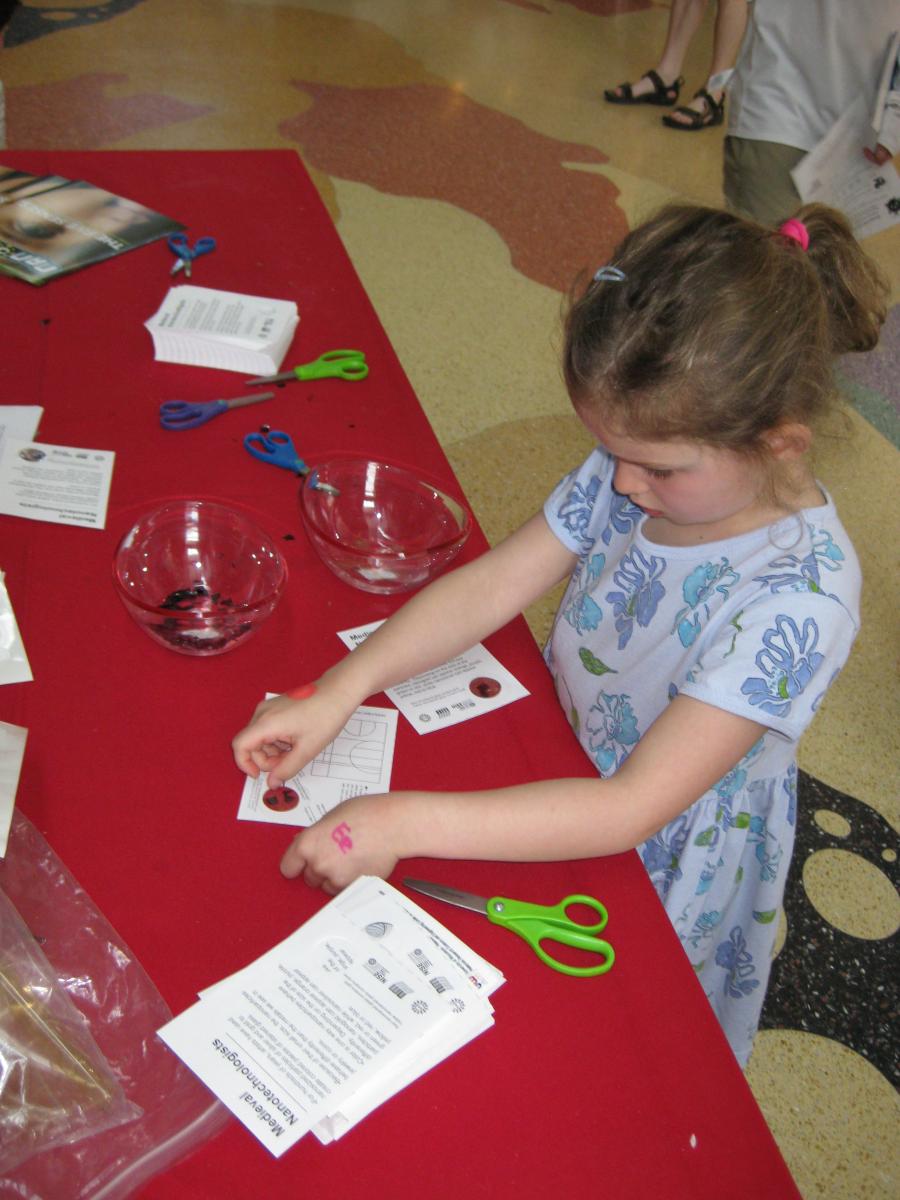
x=14 y=665
x=65 y=485
x=439 y=957
x=327 y=1014
x=358 y=762
x=12 y=751
x=19 y=421
x=836 y=173
x=468 y=686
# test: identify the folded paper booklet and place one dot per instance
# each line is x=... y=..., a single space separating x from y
x=203 y=327
x=50 y=225
x=364 y=998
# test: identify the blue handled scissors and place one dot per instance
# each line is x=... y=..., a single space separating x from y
x=185 y=253
x=277 y=449
x=536 y=923
x=181 y=414
x=333 y=364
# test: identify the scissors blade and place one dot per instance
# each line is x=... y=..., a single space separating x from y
x=284 y=377
x=255 y=398
x=440 y=891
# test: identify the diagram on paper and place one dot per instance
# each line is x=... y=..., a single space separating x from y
x=357 y=754
x=356 y=763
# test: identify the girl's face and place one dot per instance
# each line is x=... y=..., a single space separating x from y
x=693 y=493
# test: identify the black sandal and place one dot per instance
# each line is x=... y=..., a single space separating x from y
x=714 y=114
x=664 y=94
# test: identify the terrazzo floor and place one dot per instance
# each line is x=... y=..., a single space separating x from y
x=473 y=169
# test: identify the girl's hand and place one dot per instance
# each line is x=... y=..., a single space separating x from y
x=359 y=837
x=285 y=734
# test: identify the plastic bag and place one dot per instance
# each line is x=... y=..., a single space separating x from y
x=55 y=1085
x=123 y=1009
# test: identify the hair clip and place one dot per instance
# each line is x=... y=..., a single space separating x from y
x=796 y=231
x=609 y=275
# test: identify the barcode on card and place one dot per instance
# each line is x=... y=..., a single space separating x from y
x=421 y=960
x=440 y=984
x=400 y=989
x=377 y=970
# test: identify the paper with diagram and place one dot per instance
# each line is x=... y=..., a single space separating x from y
x=356 y=763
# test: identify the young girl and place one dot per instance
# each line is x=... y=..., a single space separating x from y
x=713 y=595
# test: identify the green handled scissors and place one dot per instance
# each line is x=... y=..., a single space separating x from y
x=333 y=364
x=536 y=923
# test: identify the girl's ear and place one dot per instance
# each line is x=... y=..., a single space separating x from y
x=788 y=442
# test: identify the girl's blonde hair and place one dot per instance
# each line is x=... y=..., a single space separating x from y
x=721 y=330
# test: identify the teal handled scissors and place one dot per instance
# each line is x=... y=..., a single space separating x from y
x=185 y=253
x=182 y=414
x=333 y=364
x=536 y=923
x=277 y=449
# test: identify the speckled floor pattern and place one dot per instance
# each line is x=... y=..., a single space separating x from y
x=473 y=169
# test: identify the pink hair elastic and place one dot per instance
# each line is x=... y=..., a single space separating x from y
x=796 y=231
x=303 y=692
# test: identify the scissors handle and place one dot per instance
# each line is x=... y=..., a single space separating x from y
x=185 y=253
x=179 y=414
x=538 y=923
x=277 y=449
x=341 y=364
x=178 y=244
x=203 y=246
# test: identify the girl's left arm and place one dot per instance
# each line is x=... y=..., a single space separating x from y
x=685 y=752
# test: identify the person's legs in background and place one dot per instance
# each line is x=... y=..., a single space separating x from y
x=684 y=21
x=728 y=33
x=662 y=85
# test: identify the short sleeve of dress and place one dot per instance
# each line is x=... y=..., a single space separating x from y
x=571 y=508
x=774 y=660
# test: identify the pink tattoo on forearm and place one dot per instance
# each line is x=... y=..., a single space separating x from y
x=340 y=835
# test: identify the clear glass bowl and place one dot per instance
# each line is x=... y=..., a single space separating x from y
x=198 y=577
x=380 y=527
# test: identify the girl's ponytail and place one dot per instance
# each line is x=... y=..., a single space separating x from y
x=854 y=290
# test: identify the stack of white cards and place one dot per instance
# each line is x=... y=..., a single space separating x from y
x=318 y=1032
x=203 y=327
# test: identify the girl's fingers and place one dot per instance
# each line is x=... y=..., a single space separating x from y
x=293 y=862
x=312 y=878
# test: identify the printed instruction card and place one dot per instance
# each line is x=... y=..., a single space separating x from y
x=467 y=686
x=62 y=484
x=356 y=1004
x=358 y=762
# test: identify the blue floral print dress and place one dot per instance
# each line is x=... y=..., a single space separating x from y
x=759 y=625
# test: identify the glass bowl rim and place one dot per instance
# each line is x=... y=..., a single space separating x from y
x=185 y=616
x=309 y=516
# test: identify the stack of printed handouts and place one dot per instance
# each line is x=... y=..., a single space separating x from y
x=203 y=327
x=360 y=1001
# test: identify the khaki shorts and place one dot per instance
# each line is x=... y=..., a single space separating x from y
x=757 y=179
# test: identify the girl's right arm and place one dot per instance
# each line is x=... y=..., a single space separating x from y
x=450 y=616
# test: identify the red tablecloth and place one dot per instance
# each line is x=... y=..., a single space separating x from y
x=621 y=1086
